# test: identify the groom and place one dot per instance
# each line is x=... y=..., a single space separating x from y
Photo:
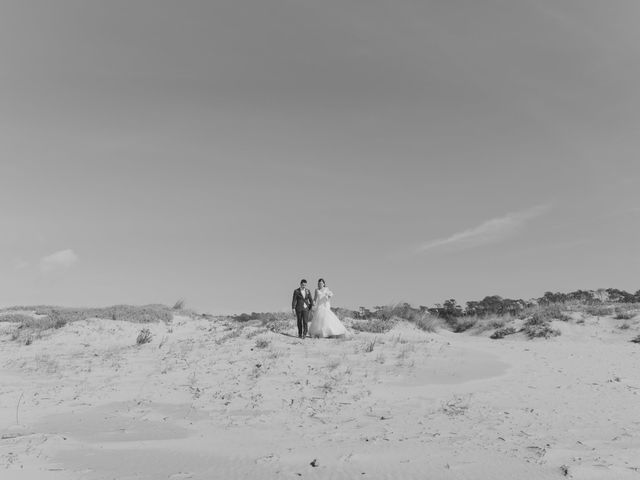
x=301 y=305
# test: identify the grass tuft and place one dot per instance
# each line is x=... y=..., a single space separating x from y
x=179 y=305
x=369 y=346
x=375 y=325
x=144 y=336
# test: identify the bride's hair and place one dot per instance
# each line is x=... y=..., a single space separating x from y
x=324 y=284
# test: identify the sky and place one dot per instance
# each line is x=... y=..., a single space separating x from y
x=404 y=150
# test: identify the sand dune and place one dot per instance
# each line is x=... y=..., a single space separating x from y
x=210 y=399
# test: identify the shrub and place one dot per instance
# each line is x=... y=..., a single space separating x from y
x=599 y=310
x=461 y=324
x=503 y=332
x=264 y=317
x=15 y=318
x=624 y=314
x=57 y=320
x=636 y=339
x=376 y=325
x=495 y=305
x=492 y=322
x=262 y=343
x=426 y=322
x=144 y=336
x=537 y=328
x=549 y=312
x=555 y=312
x=52 y=321
x=134 y=314
x=389 y=312
x=382 y=319
x=343 y=313
x=448 y=310
x=278 y=326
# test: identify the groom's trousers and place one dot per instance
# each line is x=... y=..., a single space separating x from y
x=303 y=319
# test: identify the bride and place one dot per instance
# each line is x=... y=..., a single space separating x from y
x=324 y=322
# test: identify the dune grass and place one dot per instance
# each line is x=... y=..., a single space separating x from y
x=388 y=316
x=45 y=318
x=552 y=311
x=599 y=310
x=16 y=318
x=125 y=313
x=374 y=325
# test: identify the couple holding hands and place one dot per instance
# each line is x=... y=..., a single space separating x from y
x=314 y=315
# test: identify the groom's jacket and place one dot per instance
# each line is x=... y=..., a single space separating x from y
x=298 y=302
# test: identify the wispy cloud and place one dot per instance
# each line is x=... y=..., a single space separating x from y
x=491 y=231
x=20 y=264
x=58 y=261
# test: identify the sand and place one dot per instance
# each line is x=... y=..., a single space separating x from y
x=208 y=400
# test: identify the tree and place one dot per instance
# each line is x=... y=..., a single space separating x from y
x=450 y=309
x=551 y=297
x=619 y=296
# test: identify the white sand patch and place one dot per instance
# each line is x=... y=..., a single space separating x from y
x=213 y=399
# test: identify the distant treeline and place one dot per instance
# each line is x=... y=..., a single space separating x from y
x=496 y=305
x=491 y=305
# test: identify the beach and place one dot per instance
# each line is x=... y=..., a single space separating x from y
x=212 y=398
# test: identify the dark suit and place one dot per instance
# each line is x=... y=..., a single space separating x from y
x=302 y=305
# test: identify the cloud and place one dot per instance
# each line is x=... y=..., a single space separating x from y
x=20 y=264
x=491 y=231
x=58 y=261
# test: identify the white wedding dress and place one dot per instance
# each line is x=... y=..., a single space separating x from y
x=324 y=322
